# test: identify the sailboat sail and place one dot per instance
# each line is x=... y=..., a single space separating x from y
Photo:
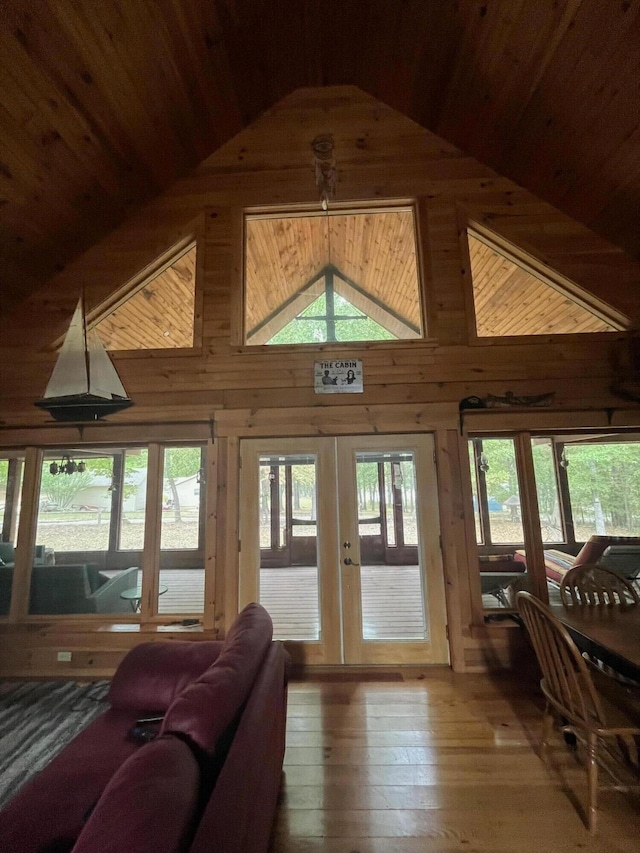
x=103 y=378
x=70 y=373
x=84 y=385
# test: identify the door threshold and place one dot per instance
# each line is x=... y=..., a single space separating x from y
x=346 y=672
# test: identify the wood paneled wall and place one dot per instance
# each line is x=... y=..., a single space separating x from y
x=409 y=386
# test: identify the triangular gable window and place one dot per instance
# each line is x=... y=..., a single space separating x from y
x=335 y=276
x=512 y=297
x=331 y=318
x=156 y=310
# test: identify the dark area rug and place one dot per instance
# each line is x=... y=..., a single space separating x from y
x=37 y=718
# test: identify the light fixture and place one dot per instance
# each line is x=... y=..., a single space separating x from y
x=324 y=164
x=67 y=465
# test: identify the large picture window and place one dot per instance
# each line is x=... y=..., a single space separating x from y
x=91 y=531
x=588 y=491
x=332 y=276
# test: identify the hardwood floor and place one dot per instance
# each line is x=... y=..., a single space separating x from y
x=434 y=762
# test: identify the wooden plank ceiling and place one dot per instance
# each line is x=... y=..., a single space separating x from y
x=104 y=103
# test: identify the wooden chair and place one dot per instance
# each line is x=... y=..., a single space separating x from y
x=595 y=585
x=604 y=724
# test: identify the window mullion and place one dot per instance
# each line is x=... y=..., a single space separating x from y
x=562 y=476
x=483 y=498
x=152 y=532
x=530 y=515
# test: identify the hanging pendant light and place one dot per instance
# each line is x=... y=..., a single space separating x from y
x=84 y=385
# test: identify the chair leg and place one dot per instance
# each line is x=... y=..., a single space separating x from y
x=592 y=780
x=547 y=728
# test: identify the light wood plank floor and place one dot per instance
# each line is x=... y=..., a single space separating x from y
x=434 y=762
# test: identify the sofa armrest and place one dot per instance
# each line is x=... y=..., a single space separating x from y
x=106 y=598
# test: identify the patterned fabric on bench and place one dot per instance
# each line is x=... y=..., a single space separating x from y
x=556 y=563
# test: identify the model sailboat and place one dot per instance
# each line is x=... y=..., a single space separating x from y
x=84 y=385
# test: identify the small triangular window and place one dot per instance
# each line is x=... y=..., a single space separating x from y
x=156 y=310
x=512 y=297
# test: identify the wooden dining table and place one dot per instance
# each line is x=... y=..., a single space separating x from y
x=610 y=633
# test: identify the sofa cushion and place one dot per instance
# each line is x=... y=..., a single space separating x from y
x=49 y=812
x=148 y=806
x=556 y=563
x=151 y=675
x=205 y=710
x=59 y=589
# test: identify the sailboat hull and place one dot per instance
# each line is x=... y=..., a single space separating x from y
x=82 y=407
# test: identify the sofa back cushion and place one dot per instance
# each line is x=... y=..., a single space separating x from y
x=7 y=552
x=206 y=709
x=151 y=675
x=6 y=581
x=149 y=805
x=60 y=589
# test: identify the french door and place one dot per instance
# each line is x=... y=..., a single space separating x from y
x=339 y=539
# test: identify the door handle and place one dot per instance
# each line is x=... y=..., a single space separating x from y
x=349 y=562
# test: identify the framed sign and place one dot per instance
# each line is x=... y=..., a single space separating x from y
x=341 y=376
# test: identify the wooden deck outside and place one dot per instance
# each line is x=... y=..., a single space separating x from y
x=391 y=600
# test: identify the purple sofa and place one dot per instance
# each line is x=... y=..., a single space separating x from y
x=210 y=779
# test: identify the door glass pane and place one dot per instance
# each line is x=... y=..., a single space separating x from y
x=181 y=582
x=388 y=501
x=392 y=598
x=289 y=578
